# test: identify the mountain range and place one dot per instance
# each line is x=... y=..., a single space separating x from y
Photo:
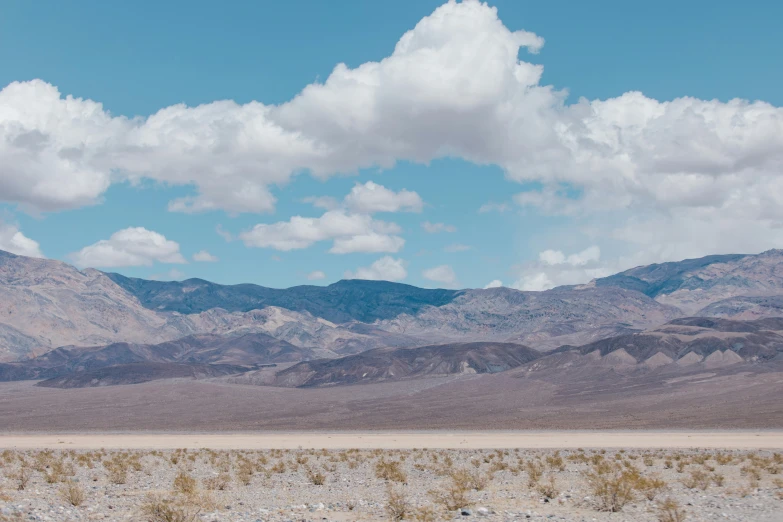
x=89 y=328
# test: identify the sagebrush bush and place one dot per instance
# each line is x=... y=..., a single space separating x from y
x=397 y=505
x=390 y=470
x=73 y=493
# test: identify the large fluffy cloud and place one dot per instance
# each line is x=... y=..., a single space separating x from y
x=12 y=240
x=386 y=268
x=453 y=86
x=371 y=197
x=349 y=233
x=554 y=268
x=134 y=246
x=441 y=274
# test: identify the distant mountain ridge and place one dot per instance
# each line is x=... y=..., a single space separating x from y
x=46 y=304
x=340 y=302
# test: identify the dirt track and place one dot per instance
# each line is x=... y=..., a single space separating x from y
x=404 y=440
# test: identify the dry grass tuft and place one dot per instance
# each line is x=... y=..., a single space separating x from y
x=397 y=505
x=390 y=470
x=669 y=511
x=158 y=509
x=184 y=484
x=73 y=493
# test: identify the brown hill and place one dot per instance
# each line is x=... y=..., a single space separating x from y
x=393 y=364
x=710 y=342
x=136 y=373
x=244 y=351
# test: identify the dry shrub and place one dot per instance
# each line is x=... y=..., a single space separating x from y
x=158 y=509
x=21 y=476
x=751 y=471
x=651 y=486
x=117 y=468
x=697 y=479
x=612 y=485
x=723 y=458
x=390 y=470
x=218 y=483
x=316 y=477
x=453 y=496
x=556 y=462
x=427 y=513
x=397 y=505
x=669 y=511
x=72 y=493
x=471 y=479
x=184 y=483
x=548 y=488
x=534 y=472
x=245 y=473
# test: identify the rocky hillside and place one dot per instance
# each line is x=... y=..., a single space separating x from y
x=694 y=284
x=341 y=302
x=46 y=304
x=394 y=364
x=137 y=373
x=683 y=342
x=244 y=351
x=542 y=320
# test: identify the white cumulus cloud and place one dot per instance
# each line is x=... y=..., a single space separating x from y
x=349 y=233
x=371 y=197
x=204 y=257
x=12 y=240
x=386 y=268
x=441 y=274
x=454 y=86
x=495 y=283
x=134 y=246
x=554 y=268
x=434 y=228
x=457 y=247
x=316 y=275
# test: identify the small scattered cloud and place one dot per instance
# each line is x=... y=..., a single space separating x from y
x=494 y=207
x=441 y=274
x=556 y=257
x=554 y=268
x=12 y=240
x=384 y=269
x=370 y=197
x=171 y=275
x=349 y=233
x=224 y=233
x=133 y=246
x=204 y=257
x=324 y=202
x=434 y=228
x=457 y=247
x=495 y=283
x=316 y=275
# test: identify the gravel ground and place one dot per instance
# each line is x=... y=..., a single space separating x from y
x=282 y=485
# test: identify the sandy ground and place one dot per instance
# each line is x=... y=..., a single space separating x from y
x=738 y=440
x=361 y=485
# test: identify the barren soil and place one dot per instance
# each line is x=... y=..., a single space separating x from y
x=359 y=485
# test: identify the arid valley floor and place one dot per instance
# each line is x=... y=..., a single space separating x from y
x=77 y=482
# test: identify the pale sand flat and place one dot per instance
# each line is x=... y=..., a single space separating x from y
x=403 y=440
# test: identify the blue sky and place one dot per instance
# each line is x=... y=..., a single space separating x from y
x=670 y=187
